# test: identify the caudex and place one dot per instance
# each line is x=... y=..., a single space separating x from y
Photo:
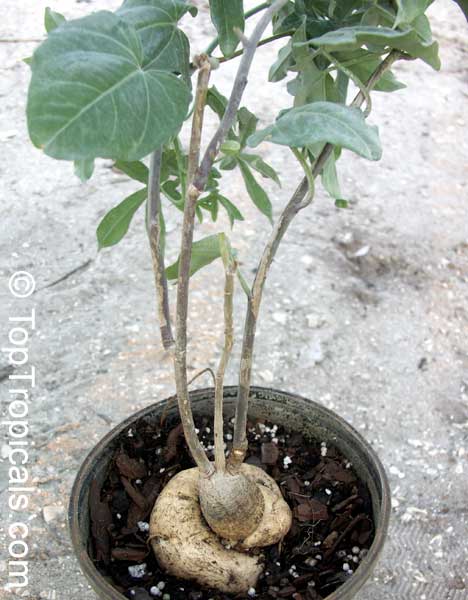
x=119 y=86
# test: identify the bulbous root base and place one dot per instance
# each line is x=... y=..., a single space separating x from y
x=187 y=548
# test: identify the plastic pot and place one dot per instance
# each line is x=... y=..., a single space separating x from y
x=297 y=414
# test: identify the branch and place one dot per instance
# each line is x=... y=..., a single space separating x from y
x=180 y=354
x=267 y=40
x=250 y=13
x=358 y=102
x=154 y=233
x=299 y=200
x=230 y=268
x=196 y=376
x=235 y=98
x=239 y=447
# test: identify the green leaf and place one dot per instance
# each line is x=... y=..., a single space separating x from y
x=204 y=252
x=257 y=194
x=165 y=46
x=135 y=170
x=463 y=4
x=409 y=10
x=90 y=95
x=115 y=224
x=228 y=163
x=227 y=15
x=84 y=169
x=279 y=69
x=230 y=147
x=323 y=122
x=172 y=193
x=233 y=212
x=340 y=203
x=350 y=38
x=210 y=203
x=247 y=124
x=310 y=84
x=363 y=64
x=52 y=19
x=169 y=165
x=330 y=178
x=257 y=163
x=216 y=101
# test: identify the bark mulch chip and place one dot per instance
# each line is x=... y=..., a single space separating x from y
x=332 y=527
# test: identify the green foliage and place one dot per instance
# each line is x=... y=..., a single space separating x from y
x=257 y=194
x=52 y=19
x=258 y=164
x=135 y=170
x=410 y=10
x=340 y=203
x=84 y=112
x=118 y=85
x=322 y=122
x=115 y=224
x=330 y=178
x=233 y=212
x=165 y=46
x=227 y=16
x=380 y=38
x=84 y=169
x=216 y=101
x=204 y=252
x=363 y=64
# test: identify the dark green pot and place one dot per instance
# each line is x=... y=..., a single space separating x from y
x=294 y=412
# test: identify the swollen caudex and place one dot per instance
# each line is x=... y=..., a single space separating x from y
x=187 y=547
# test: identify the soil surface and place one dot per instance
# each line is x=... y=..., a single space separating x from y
x=330 y=536
x=366 y=310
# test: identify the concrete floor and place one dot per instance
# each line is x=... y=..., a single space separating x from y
x=382 y=338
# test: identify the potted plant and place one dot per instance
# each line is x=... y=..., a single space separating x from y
x=297 y=504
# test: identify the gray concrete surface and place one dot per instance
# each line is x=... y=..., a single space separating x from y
x=382 y=339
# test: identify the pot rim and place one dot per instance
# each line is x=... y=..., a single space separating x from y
x=355 y=582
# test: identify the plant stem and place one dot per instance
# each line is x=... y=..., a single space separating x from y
x=250 y=13
x=272 y=38
x=357 y=82
x=235 y=98
x=157 y=254
x=299 y=200
x=230 y=269
x=180 y=354
x=180 y=166
x=253 y=306
x=306 y=168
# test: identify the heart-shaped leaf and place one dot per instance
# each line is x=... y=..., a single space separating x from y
x=323 y=122
x=165 y=46
x=91 y=95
